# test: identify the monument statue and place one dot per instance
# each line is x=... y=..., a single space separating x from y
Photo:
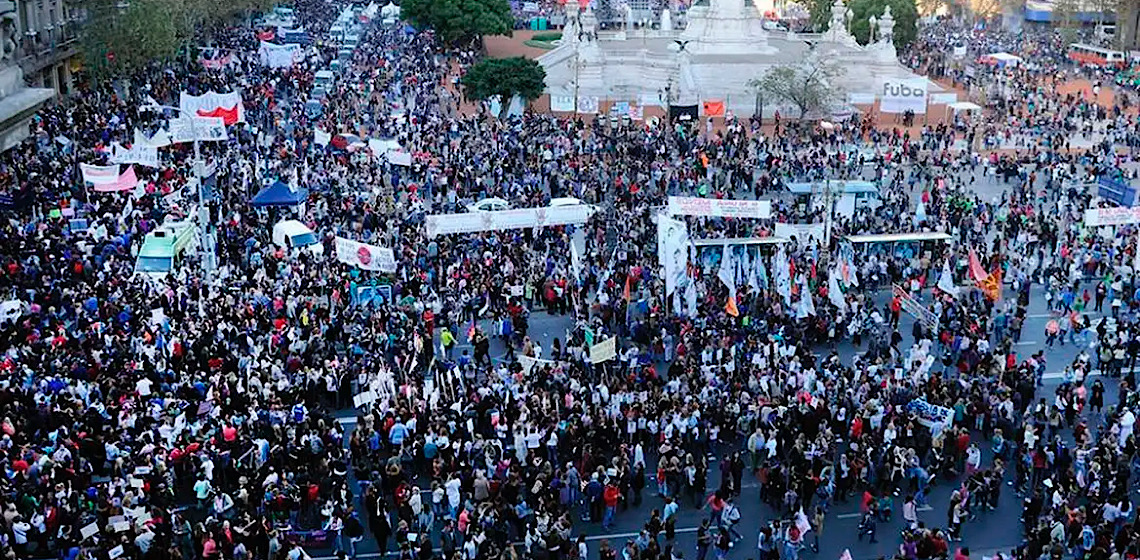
x=887 y=26
x=8 y=31
x=723 y=46
x=571 y=33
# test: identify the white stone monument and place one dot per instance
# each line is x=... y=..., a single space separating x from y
x=722 y=48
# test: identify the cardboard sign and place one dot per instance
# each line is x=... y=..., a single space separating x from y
x=604 y=350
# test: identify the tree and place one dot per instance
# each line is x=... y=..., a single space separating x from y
x=122 y=35
x=454 y=20
x=904 y=12
x=506 y=78
x=1064 y=18
x=809 y=86
x=820 y=11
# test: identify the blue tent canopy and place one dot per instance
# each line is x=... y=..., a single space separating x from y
x=279 y=194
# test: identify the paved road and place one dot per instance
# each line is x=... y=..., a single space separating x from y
x=994 y=531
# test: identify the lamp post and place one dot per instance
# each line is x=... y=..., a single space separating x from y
x=204 y=241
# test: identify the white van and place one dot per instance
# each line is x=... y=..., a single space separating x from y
x=294 y=236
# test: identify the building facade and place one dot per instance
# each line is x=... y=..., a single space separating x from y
x=48 y=50
x=18 y=102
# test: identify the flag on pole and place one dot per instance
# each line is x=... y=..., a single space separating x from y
x=991 y=285
x=807 y=306
x=833 y=291
x=977 y=271
x=946 y=281
x=761 y=272
x=783 y=276
x=727 y=273
x=753 y=280
x=730 y=307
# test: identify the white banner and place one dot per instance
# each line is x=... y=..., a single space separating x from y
x=142 y=155
x=213 y=104
x=562 y=103
x=900 y=96
x=400 y=158
x=720 y=208
x=861 y=98
x=605 y=350
x=204 y=129
x=365 y=256
x=279 y=56
x=161 y=139
x=1115 y=216
x=588 y=105
x=99 y=174
x=804 y=233
x=440 y=224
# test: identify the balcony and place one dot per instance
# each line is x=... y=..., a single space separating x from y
x=39 y=49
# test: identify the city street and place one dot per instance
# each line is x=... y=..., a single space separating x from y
x=999 y=530
x=996 y=531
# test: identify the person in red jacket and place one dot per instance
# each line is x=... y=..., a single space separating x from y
x=610 y=495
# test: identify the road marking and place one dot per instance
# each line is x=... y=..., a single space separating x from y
x=1027 y=343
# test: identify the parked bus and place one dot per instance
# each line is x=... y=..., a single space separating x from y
x=1088 y=55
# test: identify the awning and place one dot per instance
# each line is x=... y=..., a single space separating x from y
x=279 y=194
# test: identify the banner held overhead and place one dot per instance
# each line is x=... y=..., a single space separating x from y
x=471 y=222
x=719 y=208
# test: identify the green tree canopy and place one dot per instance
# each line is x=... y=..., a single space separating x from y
x=506 y=78
x=454 y=20
x=120 y=36
x=904 y=12
x=820 y=11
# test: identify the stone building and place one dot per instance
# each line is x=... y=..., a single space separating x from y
x=20 y=48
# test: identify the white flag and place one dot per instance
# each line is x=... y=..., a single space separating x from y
x=946 y=281
x=575 y=262
x=691 y=299
x=753 y=278
x=727 y=272
x=807 y=306
x=783 y=276
x=834 y=293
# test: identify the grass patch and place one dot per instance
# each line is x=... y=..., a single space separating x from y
x=548 y=37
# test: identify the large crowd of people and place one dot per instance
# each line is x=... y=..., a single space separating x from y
x=216 y=414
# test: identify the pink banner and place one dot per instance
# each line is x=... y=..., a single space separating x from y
x=127 y=181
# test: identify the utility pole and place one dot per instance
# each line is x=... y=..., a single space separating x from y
x=204 y=239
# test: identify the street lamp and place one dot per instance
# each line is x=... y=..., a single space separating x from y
x=204 y=240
